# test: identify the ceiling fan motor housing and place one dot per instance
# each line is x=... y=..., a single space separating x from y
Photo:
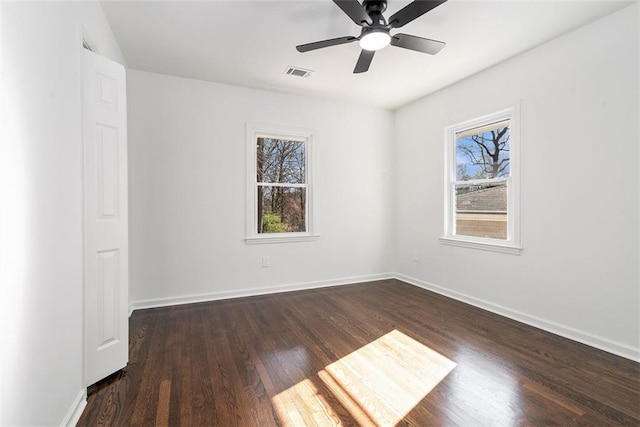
x=375 y=36
x=374 y=6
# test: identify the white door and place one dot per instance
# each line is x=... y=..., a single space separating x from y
x=104 y=128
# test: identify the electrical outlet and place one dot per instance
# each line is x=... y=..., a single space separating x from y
x=415 y=256
x=266 y=262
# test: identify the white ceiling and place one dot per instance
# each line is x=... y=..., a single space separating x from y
x=250 y=43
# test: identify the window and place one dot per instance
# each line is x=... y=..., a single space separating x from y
x=481 y=184
x=279 y=189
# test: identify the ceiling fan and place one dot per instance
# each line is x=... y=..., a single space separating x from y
x=376 y=29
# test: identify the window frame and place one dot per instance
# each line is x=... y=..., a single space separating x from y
x=513 y=243
x=259 y=130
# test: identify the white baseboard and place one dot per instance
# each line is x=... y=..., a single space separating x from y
x=215 y=296
x=601 y=343
x=75 y=411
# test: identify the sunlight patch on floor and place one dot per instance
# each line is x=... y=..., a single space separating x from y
x=303 y=405
x=378 y=384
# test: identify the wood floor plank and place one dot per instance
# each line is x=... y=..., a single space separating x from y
x=361 y=354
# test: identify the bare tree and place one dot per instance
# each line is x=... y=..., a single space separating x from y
x=283 y=162
x=488 y=152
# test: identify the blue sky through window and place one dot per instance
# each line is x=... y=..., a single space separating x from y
x=483 y=154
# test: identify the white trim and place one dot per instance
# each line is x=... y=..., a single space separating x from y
x=482 y=181
x=605 y=344
x=215 y=296
x=514 y=224
x=253 y=130
x=282 y=185
x=610 y=346
x=82 y=35
x=281 y=238
x=485 y=245
x=75 y=411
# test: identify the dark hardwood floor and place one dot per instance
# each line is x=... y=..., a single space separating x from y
x=380 y=353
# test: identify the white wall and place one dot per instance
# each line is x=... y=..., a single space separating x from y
x=578 y=273
x=187 y=191
x=41 y=207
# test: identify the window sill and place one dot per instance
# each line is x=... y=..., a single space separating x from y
x=486 y=246
x=261 y=240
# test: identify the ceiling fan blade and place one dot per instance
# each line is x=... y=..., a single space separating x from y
x=416 y=43
x=412 y=11
x=325 y=43
x=355 y=11
x=366 y=56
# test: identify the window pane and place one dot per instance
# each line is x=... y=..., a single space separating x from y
x=280 y=160
x=281 y=209
x=481 y=210
x=483 y=153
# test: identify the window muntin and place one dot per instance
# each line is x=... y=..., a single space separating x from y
x=481 y=186
x=278 y=184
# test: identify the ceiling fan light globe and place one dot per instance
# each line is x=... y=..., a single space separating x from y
x=375 y=40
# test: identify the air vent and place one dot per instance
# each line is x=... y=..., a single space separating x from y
x=298 y=72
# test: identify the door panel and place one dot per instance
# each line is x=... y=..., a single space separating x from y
x=107 y=163
x=107 y=299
